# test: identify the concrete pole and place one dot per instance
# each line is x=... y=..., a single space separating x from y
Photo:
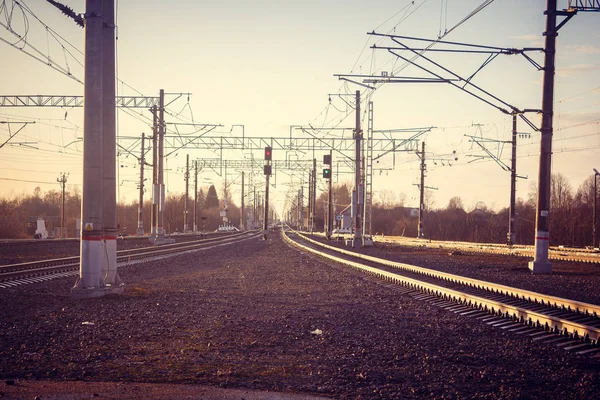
x=314 y=197
x=195 y=196
x=91 y=281
x=140 y=228
x=155 y=197
x=540 y=264
x=511 y=237
x=309 y=205
x=421 y=233
x=109 y=145
x=187 y=195
x=161 y=183
x=594 y=242
x=358 y=202
x=243 y=216
x=299 y=210
x=62 y=180
x=330 y=197
x=266 y=221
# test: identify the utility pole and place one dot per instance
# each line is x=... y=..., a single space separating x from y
x=97 y=272
x=187 y=195
x=195 y=196
x=421 y=235
x=225 y=209
x=329 y=198
x=309 y=205
x=367 y=239
x=155 y=187
x=140 y=228
x=267 y=171
x=358 y=201
x=109 y=146
x=301 y=208
x=314 y=196
x=594 y=242
x=511 y=236
x=63 y=181
x=540 y=264
x=243 y=210
x=266 y=221
x=160 y=233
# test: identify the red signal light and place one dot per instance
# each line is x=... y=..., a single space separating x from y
x=268 y=152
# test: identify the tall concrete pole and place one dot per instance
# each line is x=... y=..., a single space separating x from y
x=540 y=264
x=299 y=210
x=109 y=145
x=62 y=181
x=187 y=195
x=594 y=237
x=140 y=228
x=155 y=196
x=511 y=237
x=358 y=202
x=422 y=192
x=195 y=196
x=243 y=210
x=330 y=197
x=91 y=280
x=309 y=205
x=161 y=183
x=266 y=221
x=314 y=196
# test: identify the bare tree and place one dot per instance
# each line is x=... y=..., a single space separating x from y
x=455 y=203
x=387 y=199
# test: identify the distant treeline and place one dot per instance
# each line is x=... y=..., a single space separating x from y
x=570 y=218
x=18 y=215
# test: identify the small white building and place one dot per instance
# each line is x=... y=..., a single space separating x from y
x=346 y=222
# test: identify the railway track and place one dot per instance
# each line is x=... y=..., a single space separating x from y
x=36 y=271
x=572 y=325
x=555 y=253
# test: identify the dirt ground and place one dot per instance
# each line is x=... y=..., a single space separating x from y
x=261 y=316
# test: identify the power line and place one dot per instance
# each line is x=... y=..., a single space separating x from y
x=27 y=181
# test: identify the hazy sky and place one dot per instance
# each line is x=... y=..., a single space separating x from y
x=270 y=64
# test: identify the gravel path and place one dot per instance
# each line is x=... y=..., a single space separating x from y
x=261 y=315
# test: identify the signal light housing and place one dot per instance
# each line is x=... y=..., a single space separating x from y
x=327 y=173
x=268 y=153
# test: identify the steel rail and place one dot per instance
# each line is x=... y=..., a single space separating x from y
x=556 y=253
x=121 y=253
x=499 y=246
x=72 y=263
x=581 y=307
x=499 y=307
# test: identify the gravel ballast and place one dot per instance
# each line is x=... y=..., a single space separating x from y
x=261 y=315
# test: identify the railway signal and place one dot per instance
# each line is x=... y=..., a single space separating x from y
x=327 y=173
x=268 y=153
